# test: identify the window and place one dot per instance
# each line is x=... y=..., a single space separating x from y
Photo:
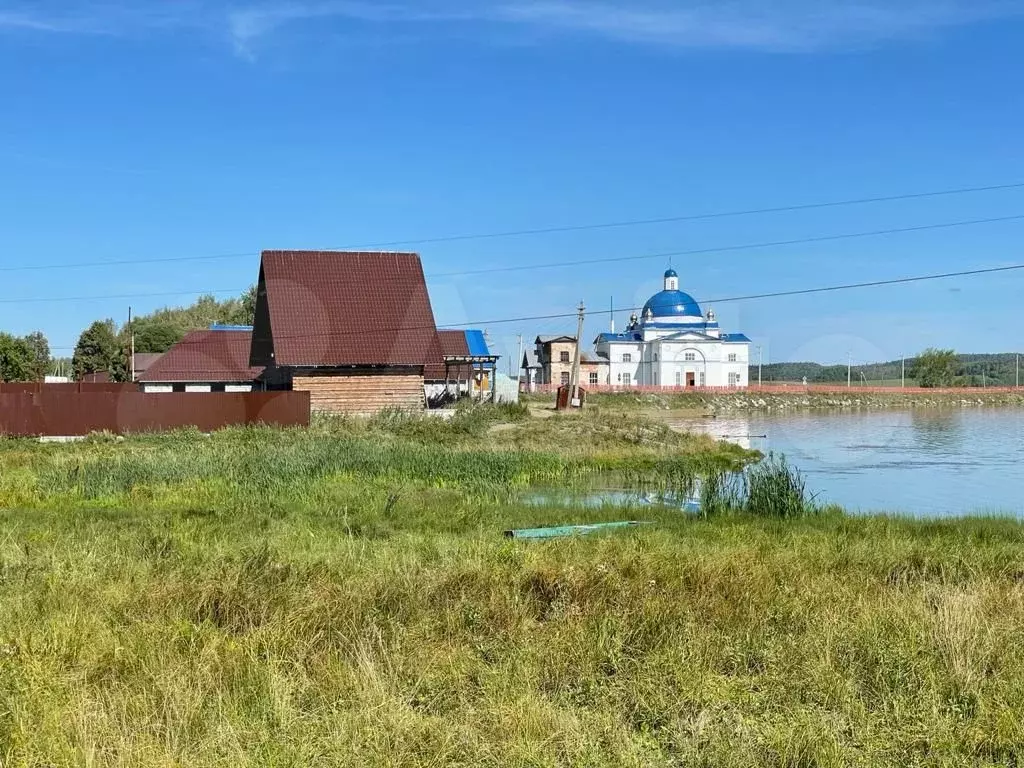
x=734 y=379
x=565 y=378
x=691 y=357
x=627 y=358
x=563 y=357
x=655 y=382
x=679 y=378
x=703 y=380
x=732 y=357
x=593 y=379
x=626 y=380
x=655 y=357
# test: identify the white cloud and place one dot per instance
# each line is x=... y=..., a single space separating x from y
x=785 y=25
x=29 y=22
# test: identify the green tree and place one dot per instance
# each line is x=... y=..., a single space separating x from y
x=248 y=306
x=936 y=368
x=97 y=349
x=15 y=359
x=154 y=335
x=40 y=349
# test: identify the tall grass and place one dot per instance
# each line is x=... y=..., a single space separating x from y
x=246 y=466
x=769 y=488
x=343 y=596
x=138 y=639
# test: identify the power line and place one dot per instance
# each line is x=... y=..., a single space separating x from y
x=723 y=300
x=50 y=299
x=545 y=230
x=582 y=262
x=700 y=216
x=734 y=248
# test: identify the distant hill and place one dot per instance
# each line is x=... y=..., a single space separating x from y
x=995 y=370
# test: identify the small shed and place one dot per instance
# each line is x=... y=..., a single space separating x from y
x=567 y=399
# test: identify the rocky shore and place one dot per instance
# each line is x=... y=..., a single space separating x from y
x=750 y=400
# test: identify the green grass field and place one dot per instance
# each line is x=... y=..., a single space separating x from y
x=343 y=596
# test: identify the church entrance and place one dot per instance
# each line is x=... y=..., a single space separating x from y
x=691 y=380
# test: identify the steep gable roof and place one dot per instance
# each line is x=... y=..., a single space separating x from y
x=206 y=356
x=337 y=309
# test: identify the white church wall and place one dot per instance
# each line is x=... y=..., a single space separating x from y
x=622 y=371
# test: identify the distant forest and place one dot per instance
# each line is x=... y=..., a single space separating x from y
x=998 y=370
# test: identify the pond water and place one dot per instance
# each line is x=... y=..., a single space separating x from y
x=924 y=462
x=613 y=497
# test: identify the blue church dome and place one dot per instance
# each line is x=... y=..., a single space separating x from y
x=672 y=304
x=671 y=273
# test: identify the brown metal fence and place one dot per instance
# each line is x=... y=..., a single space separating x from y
x=71 y=410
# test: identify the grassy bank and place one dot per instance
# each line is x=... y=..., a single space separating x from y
x=343 y=597
x=799 y=399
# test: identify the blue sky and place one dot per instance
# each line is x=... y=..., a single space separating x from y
x=148 y=130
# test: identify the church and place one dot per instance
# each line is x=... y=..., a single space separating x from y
x=673 y=343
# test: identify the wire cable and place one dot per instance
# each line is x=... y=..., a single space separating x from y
x=543 y=230
x=581 y=262
x=722 y=300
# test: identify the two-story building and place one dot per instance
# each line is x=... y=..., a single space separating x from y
x=552 y=360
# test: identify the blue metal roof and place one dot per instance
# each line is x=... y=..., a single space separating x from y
x=477 y=344
x=629 y=336
x=728 y=338
x=671 y=273
x=672 y=304
x=219 y=327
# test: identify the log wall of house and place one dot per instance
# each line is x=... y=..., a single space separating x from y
x=361 y=393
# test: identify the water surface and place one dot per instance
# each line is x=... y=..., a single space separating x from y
x=928 y=462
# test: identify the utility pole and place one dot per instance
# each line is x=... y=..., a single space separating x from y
x=576 y=402
x=849 y=370
x=903 y=372
x=611 y=313
x=760 y=362
x=1018 y=371
x=493 y=373
x=131 y=353
x=520 y=361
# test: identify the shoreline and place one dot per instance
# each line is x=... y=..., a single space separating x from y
x=797 y=400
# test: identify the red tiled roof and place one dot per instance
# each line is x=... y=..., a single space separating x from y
x=453 y=343
x=206 y=357
x=331 y=308
x=144 y=360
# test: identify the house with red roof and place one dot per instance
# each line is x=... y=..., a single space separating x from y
x=216 y=360
x=354 y=329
